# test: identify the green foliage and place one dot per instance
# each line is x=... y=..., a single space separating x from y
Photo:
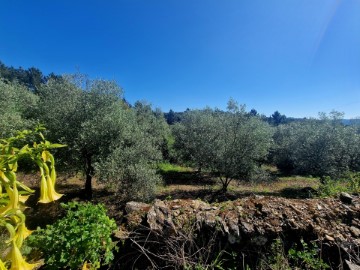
x=318 y=147
x=276 y=259
x=330 y=187
x=16 y=104
x=82 y=236
x=231 y=144
x=349 y=183
x=353 y=182
x=14 y=193
x=131 y=171
x=308 y=257
x=106 y=138
x=277 y=118
x=31 y=77
x=168 y=167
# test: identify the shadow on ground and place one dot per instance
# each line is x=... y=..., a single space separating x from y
x=186 y=178
x=210 y=195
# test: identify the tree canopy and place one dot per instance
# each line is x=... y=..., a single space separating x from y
x=231 y=144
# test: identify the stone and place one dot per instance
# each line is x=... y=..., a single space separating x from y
x=352 y=266
x=136 y=207
x=346 y=197
x=247 y=227
x=355 y=231
x=329 y=238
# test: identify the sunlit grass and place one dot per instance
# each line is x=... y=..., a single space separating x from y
x=167 y=167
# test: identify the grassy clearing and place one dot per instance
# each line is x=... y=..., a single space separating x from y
x=184 y=182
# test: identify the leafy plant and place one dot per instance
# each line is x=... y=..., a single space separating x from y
x=354 y=182
x=276 y=259
x=331 y=187
x=83 y=236
x=308 y=257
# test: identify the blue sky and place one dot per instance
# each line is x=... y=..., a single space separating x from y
x=299 y=57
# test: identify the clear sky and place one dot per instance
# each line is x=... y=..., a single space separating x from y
x=295 y=56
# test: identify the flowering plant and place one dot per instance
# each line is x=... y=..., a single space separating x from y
x=13 y=193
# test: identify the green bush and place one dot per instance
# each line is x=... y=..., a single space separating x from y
x=349 y=183
x=82 y=236
x=308 y=257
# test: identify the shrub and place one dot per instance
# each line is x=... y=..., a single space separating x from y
x=331 y=187
x=82 y=236
x=308 y=257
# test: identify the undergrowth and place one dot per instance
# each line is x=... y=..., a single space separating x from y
x=332 y=187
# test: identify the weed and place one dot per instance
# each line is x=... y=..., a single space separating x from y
x=276 y=259
x=308 y=257
x=331 y=187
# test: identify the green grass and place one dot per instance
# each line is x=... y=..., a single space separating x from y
x=167 y=167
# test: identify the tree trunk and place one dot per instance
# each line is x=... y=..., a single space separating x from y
x=225 y=183
x=89 y=171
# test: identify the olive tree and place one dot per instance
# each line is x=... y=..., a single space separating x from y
x=231 y=144
x=319 y=147
x=195 y=136
x=153 y=123
x=243 y=145
x=130 y=165
x=98 y=126
x=16 y=103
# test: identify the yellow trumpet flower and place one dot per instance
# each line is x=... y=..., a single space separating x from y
x=23 y=198
x=44 y=197
x=17 y=260
x=53 y=174
x=53 y=195
x=22 y=233
x=13 y=199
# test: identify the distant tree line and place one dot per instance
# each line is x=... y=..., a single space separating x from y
x=120 y=144
x=32 y=77
x=275 y=119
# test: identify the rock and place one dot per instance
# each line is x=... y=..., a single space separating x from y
x=355 y=231
x=346 y=197
x=136 y=206
x=159 y=217
x=176 y=213
x=329 y=238
x=205 y=208
x=247 y=227
x=175 y=207
x=352 y=266
x=332 y=220
x=210 y=219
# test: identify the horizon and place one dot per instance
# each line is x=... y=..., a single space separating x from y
x=299 y=58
